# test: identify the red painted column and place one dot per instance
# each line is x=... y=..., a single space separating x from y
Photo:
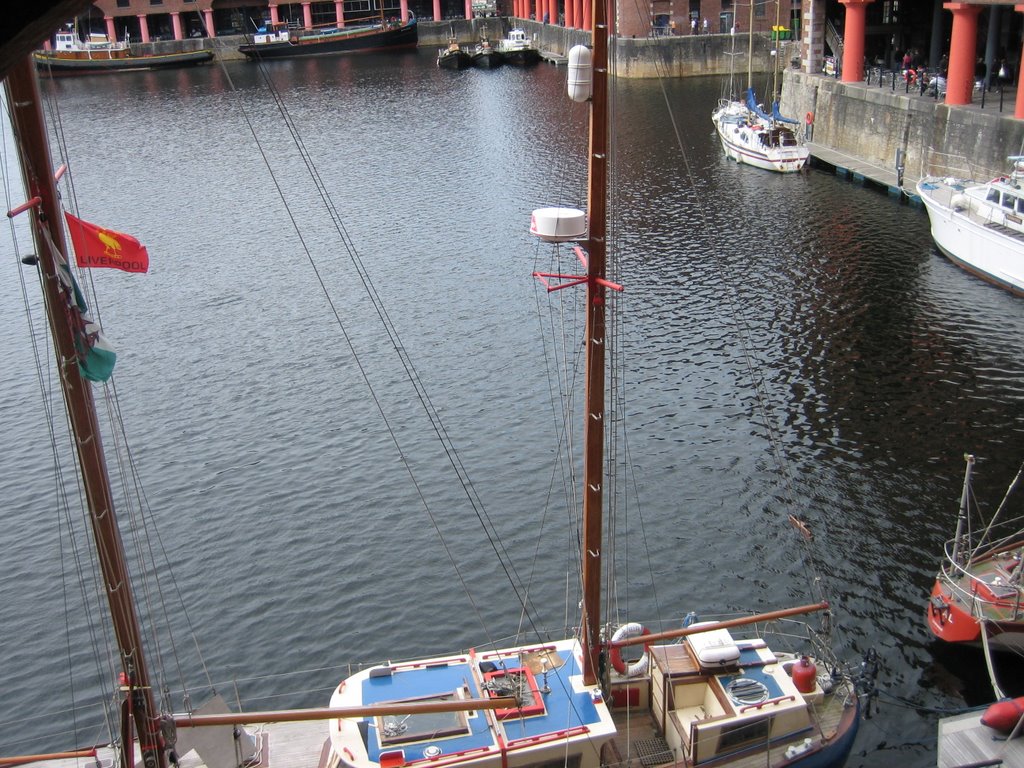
x=307 y=15
x=176 y=24
x=144 y=27
x=570 y=14
x=403 y=10
x=111 y=31
x=588 y=21
x=853 y=40
x=1018 y=111
x=275 y=16
x=211 y=31
x=962 y=47
x=437 y=10
x=339 y=12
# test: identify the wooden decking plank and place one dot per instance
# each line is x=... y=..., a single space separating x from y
x=963 y=740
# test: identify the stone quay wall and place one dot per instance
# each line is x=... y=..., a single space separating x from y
x=875 y=124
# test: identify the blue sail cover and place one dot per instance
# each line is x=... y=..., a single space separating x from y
x=779 y=118
x=753 y=107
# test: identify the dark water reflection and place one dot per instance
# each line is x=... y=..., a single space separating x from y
x=877 y=362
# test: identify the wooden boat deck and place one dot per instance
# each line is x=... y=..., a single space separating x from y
x=963 y=740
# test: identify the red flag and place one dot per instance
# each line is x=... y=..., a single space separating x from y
x=99 y=247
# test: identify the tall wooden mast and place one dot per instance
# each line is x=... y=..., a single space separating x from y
x=593 y=429
x=30 y=134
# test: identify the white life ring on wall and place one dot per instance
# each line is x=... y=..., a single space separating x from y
x=638 y=667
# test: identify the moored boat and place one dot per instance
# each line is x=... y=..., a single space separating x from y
x=486 y=56
x=99 y=55
x=518 y=49
x=751 y=136
x=979 y=226
x=454 y=56
x=978 y=594
x=279 y=41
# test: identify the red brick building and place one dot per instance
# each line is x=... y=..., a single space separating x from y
x=685 y=17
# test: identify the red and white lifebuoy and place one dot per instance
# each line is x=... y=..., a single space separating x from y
x=626 y=631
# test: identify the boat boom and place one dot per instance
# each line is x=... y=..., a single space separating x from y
x=711 y=626
x=330 y=713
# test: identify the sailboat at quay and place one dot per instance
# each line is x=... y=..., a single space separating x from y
x=750 y=135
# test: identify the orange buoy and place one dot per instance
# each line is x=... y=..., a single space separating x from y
x=805 y=675
x=809 y=117
x=1004 y=715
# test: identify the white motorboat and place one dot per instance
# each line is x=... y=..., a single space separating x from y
x=980 y=225
x=518 y=48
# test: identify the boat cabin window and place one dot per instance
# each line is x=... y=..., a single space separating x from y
x=1020 y=204
x=1008 y=201
x=401 y=729
x=993 y=196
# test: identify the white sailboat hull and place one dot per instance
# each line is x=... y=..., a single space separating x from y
x=747 y=139
x=983 y=238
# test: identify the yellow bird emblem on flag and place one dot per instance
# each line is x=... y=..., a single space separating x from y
x=111 y=245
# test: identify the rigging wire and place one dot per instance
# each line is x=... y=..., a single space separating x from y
x=141 y=524
x=412 y=375
x=49 y=394
x=738 y=318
